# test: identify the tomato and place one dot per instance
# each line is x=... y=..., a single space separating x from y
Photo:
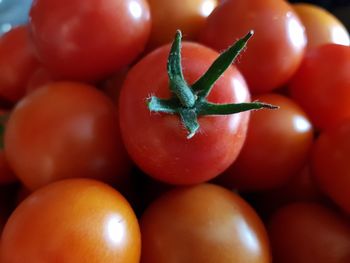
x=276 y=147
x=74 y=220
x=65 y=129
x=17 y=63
x=187 y=15
x=87 y=40
x=321 y=26
x=322 y=85
x=202 y=223
x=40 y=77
x=306 y=232
x=275 y=51
x=158 y=143
x=330 y=163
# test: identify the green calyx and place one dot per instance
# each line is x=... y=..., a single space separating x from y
x=190 y=101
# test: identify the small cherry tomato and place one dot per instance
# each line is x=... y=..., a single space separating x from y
x=330 y=163
x=306 y=232
x=187 y=15
x=62 y=130
x=17 y=63
x=74 y=220
x=275 y=51
x=321 y=85
x=88 y=40
x=202 y=223
x=321 y=26
x=276 y=147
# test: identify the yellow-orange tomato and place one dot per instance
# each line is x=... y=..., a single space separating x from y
x=72 y=221
x=202 y=223
x=170 y=15
x=321 y=26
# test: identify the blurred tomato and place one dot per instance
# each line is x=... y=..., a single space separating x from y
x=274 y=52
x=17 y=63
x=330 y=163
x=76 y=220
x=187 y=15
x=88 y=40
x=322 y=85
x=275 y=149
x=62 y=130
x=203 y=223
x=321 y=26
x=305 y=232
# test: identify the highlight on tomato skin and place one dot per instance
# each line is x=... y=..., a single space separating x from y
x=74 y=220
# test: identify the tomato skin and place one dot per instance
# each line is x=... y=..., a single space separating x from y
x=276 y=147
x=306 y=232
x=321 y=85
x=276 y=49
x=168 y=16
x=65 y=129
x=74 y=220
x=202 y=223
x=321 y=26
x=330 y=163
x=17 y=63
x=87 y=40
x=158 y=143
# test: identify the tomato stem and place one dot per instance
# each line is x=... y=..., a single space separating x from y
x=190 y=101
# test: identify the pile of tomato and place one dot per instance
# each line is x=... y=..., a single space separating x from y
x=103 y=159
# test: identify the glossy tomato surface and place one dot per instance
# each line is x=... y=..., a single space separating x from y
x=17 y=63
x=305 y=232
x=277 y=47
x=321 y=85
x=65 y=129
x=203 y=223
x=87 y=40
x=276 y=148
x=75 y=220
x=321 y=26
x=158 y=143
x=168 y=16
x=330 y=163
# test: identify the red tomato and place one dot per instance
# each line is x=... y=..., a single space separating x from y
x=17 y=63
x=322 y=85
x=203 y=223
x=87 y=40
x=40 y=77
x=276 y=147
x=304 y=233
x=76 y=220
x=321 y=26
x=330 y=163
x=65 y=129
x=187 y=15
x=157 y=142
x=277 y=47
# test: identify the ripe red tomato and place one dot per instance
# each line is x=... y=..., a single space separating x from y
x=330 y=163
x=306 y=232
x=202 y=223
x=276 y=148
x=321 y=26
x=277 y=47
x=75 y=220
x=17 y=63
x=322 y=85
x=158 y=142
x=62 y=130
x=87 y=40
x=187 y=15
